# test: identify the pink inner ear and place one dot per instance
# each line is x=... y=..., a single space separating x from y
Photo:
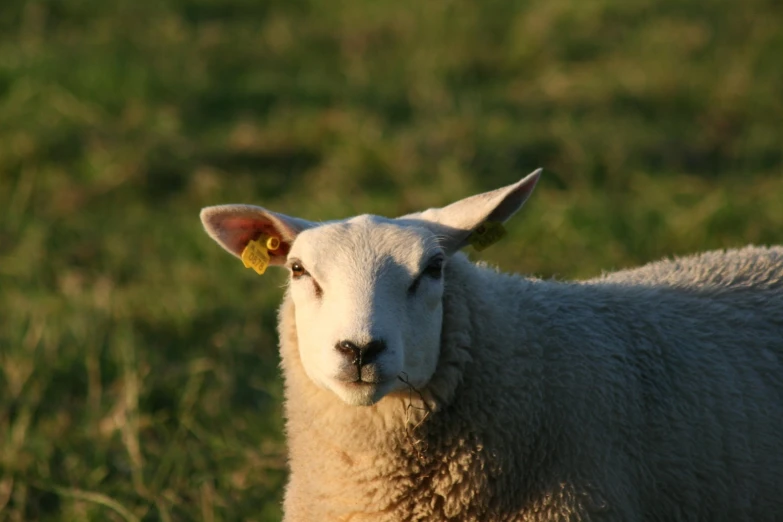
x=241 y=230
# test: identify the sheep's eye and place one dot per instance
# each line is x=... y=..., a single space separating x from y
x=297 y=270
x=434 y=268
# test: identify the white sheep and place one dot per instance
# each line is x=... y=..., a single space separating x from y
x=421 y=386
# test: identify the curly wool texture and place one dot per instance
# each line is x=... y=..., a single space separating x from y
x=651 y=394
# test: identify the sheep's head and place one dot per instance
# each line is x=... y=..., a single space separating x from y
x=367 y=290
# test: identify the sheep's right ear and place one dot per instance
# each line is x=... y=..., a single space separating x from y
x=456 y=223
x=233 y=226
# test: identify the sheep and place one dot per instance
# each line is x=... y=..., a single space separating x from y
x=421 y=386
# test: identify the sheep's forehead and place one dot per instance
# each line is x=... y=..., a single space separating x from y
x=367 y=244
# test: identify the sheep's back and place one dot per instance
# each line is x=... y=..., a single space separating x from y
x=748 y=268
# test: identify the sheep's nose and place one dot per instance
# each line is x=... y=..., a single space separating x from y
x=360 y=355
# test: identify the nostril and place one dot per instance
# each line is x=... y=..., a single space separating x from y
x=347 y=348
x=371 y=350
x=361 y=354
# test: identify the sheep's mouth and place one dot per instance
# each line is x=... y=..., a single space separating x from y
x=362 y=391
x=370 y=374
x=363 y=382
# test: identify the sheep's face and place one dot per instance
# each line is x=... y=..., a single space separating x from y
x=367 y=291
x=368 y=298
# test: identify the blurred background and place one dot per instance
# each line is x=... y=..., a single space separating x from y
x=138 y=361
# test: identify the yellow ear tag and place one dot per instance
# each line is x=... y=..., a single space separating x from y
x=487 y=234
x=256 y=253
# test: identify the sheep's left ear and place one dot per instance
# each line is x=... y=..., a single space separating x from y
x=233 y=226
x=455 y=223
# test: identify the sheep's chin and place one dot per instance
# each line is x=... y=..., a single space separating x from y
x=362 y=394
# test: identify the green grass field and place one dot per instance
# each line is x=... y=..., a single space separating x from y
x=138 y=361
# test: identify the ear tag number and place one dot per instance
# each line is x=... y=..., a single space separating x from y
x=487 y=234
x=256 y=253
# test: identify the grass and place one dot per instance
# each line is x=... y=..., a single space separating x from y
x=138 y=363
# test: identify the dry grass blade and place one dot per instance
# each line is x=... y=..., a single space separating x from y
x=418 y=445
x=93 y=497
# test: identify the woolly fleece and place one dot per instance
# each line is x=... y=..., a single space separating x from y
x=651 y=394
